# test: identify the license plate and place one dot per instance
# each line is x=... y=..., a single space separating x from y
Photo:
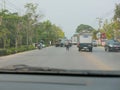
x=85 y=47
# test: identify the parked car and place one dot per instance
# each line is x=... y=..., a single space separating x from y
x=112 y=45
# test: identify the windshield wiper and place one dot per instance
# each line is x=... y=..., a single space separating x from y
x=26 y=69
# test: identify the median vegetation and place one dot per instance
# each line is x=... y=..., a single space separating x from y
x=13 y=50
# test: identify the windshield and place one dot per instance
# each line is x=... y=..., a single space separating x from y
x=59 y=35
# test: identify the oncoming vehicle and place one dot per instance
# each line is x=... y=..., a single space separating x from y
x=74 y=39
x=57 y=44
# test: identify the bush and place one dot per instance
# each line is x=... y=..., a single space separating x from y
x=10 y=51
x=21 y=49
x=2 y=52
x=31 y=47
x=14 y=50
x=25 y=48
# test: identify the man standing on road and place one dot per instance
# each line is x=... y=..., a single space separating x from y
x=67 y=45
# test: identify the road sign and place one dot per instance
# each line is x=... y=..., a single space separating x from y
x=103 y=35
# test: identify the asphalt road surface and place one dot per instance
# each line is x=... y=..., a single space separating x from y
x=58 y=57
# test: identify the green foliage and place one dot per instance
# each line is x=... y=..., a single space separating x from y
x=117 y=12
x=16 y=50
x=111 y=29
x=49 y=32
x=19 y=32
x=10 y=51
x=25 y=48
x=108 y=29
x=82 y=27
x=94 y=34
x=2 y=52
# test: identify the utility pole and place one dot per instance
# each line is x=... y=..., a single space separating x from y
x=99 y=22
x=99 y=34
x=4 y=4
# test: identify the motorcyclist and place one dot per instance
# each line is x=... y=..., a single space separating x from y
x=40 y=45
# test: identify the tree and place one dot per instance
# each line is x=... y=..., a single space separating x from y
x=117 y=12
x=31 y=21
x=8 y=24
x=82 y=27
x=49 y=32
x=116 y=23
x=94 y=34
x=16 y=30
x=3 y=35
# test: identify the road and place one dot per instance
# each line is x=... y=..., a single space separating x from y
x=58 y=57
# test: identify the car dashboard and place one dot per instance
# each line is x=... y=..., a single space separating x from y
x=57 y=82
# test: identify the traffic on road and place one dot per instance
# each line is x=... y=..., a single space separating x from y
x=59 y=45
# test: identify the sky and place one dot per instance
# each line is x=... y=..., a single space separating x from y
x=68 y=14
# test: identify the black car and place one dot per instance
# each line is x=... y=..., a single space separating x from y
x=112 y=45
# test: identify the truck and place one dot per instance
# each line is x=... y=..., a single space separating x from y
x=60 y=42
x=57 y=43
x=85 y=41
x=74 y=40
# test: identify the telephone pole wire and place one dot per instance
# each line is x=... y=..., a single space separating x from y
x=99 y=22
x=4 y=4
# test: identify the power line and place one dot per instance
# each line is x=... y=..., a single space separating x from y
x=101 y=19
x=108 y=14
x=2 y=4
x=13 y=6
